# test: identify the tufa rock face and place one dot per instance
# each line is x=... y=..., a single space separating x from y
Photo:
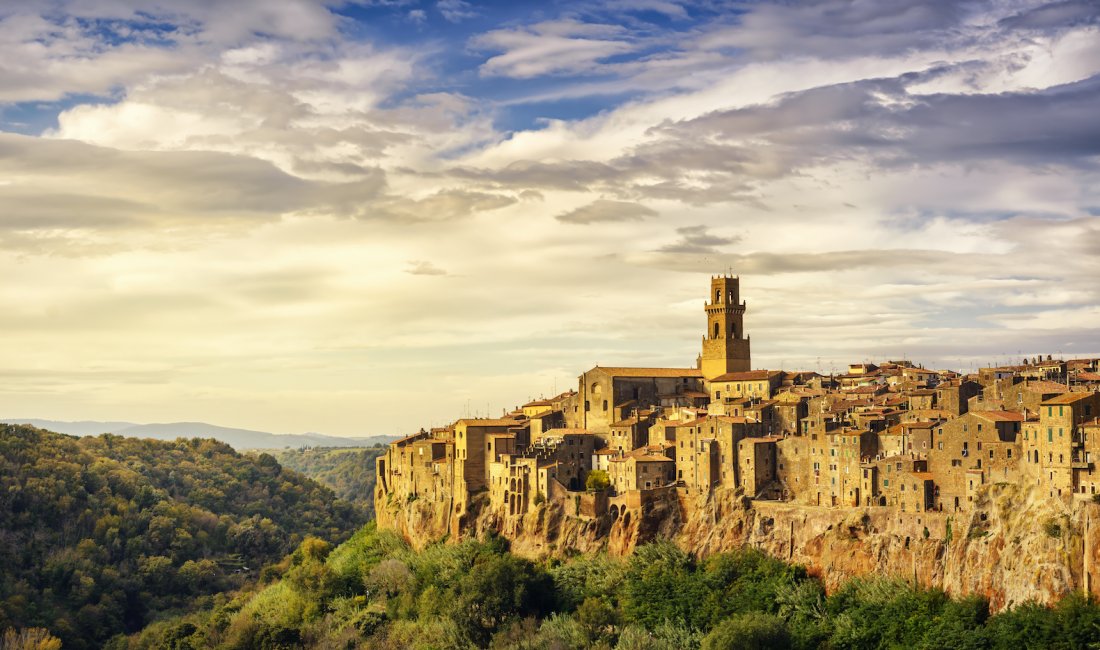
x=1013 y=546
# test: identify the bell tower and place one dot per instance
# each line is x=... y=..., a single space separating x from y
x=725 y=346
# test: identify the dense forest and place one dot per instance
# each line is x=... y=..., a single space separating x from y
x=349 y=471
x=100 y=535
x=374 y=592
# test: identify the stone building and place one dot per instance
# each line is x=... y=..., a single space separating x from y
x=725 y=346
x=609 y=395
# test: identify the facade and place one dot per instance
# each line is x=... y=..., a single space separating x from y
x=889 y=435
x=725 y=346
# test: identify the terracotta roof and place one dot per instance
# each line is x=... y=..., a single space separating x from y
x=538 y=402
x=1000 y=416
x=1088 y=376
x=606 y=451
x=1068 y=398
x=920 y=425
x=649 y=372
x=563 y=432
x=653 y=458
x=485 y=422
x=415 y=436
x=749 y=375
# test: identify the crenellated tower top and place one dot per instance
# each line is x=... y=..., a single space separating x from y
x=725 y=346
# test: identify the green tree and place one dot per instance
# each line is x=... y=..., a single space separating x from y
x=749 y=631
x=597 y=481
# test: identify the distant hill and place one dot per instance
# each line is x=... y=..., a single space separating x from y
x=102 y=534
x=348 y=471
x=236 y=438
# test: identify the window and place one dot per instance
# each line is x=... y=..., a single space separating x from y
x=605 y=405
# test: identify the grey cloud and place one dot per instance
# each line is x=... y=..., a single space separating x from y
x=444 y=205
x=840 y=28
x=573 y=175
x=77 y=185
x=1055 y=14
x=604 y=210
x=697 y=240
x=763 y=263
x=1054 y=126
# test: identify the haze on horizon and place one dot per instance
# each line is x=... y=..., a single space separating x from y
x=363 y=217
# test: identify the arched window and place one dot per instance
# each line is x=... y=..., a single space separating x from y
x=716 y=330
x=717 y=296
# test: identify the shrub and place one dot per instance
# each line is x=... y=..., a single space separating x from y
x=597 y=481
x=748 y=632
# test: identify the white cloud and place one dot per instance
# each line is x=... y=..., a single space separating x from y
x=551 y=47
x=269 y=221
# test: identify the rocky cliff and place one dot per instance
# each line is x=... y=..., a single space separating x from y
x=1013 y=546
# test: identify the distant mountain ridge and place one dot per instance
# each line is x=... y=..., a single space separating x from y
x=236 y=438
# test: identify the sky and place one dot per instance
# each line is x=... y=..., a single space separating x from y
x=363 y=217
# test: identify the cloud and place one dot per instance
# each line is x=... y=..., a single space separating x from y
x=697 y=240
x=603 y=210
x=455 y=11
x=424 y=267
x=66 y=184
x=840 y=28
x=444 y=205
x=1054 y=15
x=551 y=47
x=244 y=208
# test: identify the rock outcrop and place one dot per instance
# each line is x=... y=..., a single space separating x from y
x=1012 y=546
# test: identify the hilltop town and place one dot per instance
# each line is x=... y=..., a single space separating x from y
x=631 y=444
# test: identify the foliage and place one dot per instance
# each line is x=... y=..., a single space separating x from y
x=597 y=480
x=101 y=534
x=373 y=591
x=34 y=638
x=347 y=471
x=749 y=632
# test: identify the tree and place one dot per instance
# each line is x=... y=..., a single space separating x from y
x=597 y=481
x=748 y=632
x=31 y=638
